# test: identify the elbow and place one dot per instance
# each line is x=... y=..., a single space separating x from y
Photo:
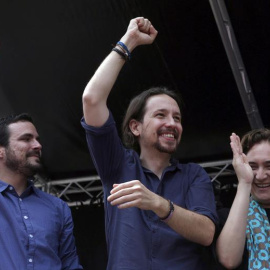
x=228 y=263
x=228 y=256
x=91 y=102
x=207 y=242
x=88 y=99
x=210 y=235
x=93 y=94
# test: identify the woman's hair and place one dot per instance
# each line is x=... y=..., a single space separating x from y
x=254 y=137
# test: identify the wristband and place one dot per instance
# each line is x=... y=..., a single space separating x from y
x=125 y=48
x=170 y=212
x=124 y=56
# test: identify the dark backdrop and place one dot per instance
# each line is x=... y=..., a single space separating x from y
x=50 y=49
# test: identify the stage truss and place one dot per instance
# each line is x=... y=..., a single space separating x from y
x=88 y=190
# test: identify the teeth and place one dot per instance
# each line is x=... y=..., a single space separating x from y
x=263 y=185
x=168 y=135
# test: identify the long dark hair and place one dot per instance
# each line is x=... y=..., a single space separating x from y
x=136 y=110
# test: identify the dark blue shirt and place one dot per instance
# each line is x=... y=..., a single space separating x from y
x=136 y=238
x=36 y=231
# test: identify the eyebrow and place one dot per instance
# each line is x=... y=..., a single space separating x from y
x=165 y=110
x=29 y=135
x=252 y=163
x=267 y=162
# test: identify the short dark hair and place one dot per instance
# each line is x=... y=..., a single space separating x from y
x=254 y=137
x=136 y=110
x=6 y=121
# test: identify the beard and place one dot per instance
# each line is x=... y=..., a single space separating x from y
x=167 y=149
x=22 y=166
x=171 y=147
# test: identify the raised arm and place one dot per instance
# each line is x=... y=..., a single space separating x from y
x=231 y=241
x=139 y=32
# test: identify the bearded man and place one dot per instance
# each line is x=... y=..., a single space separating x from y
x=36 y=230
x=159 y=213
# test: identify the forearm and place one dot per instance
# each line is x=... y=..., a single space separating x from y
x=139 y=32
x=98 y=89
x=101 y=84
x=231 y=242
x=192 y=226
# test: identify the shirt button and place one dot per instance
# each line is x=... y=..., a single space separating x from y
x=31 y=235
x=25 y=217
x=10 y=188
x=30 y=260
x=20 y=199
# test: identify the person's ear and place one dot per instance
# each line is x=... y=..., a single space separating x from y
x=135 y=127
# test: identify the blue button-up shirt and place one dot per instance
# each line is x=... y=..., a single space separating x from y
x=36 y=231
x=137 y=239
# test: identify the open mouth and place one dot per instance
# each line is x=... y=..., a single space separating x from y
x=262 y=185
x=168 y=135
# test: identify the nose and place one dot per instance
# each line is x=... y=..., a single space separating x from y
x=174 y=124
x=170 y=122
x=260 y=174
x=37 y=145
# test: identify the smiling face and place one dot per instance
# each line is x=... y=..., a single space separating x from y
x=22 y=155
x=160 y=129
x=259 y=160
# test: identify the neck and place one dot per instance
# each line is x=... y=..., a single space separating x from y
x=17 y=180
x=156 y=163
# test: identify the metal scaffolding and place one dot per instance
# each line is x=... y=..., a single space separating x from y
x=88 y=190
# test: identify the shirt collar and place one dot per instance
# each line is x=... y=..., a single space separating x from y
x=30 y=187
x=174 y=165
x=3 y=186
